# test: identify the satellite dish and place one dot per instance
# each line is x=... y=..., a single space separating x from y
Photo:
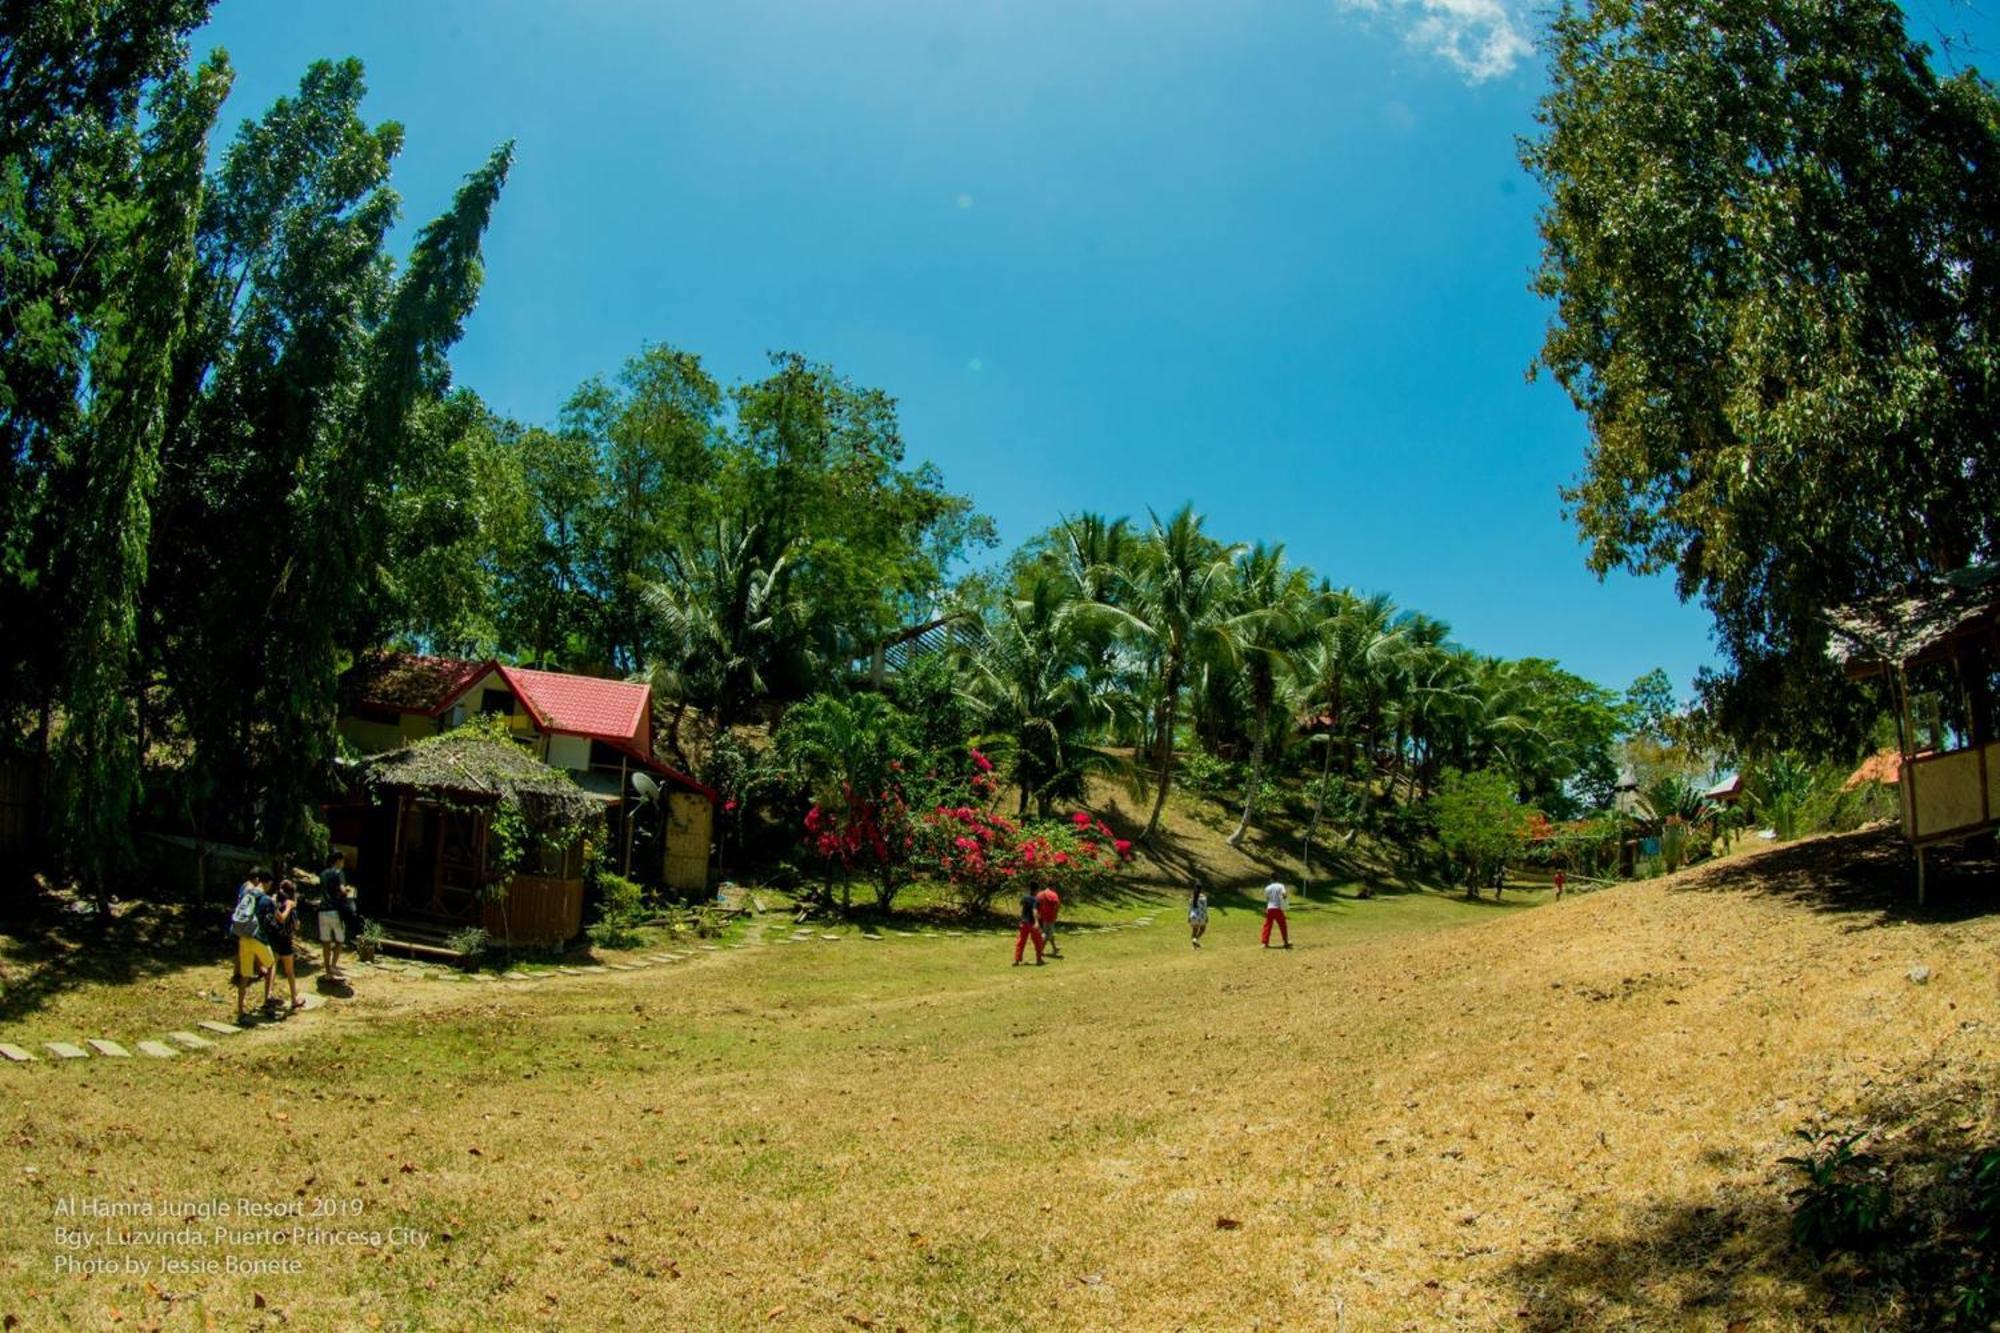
x=646 y=787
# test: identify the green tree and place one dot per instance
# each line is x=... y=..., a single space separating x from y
x=850 y=753
x=1033 y=696
x=110 y=469
x=1769 y=242
x=1273 y=605
x=654 y=437
x=1480 y=823
x=307 y=360
x=1174 y=604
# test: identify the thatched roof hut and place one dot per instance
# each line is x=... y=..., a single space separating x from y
x=467 y=828
x=482 y=766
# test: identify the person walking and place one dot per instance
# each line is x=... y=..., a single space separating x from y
x=284 y=931
x=1048 y=905
x=1030 y=930
x=1197 y=918
x=1561 y=879
x=336 y=910
x=1275 y=897
x=254 y=909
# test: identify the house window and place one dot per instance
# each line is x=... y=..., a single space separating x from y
x=497 y=701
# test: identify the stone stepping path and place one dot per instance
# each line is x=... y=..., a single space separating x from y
x=179 y=1042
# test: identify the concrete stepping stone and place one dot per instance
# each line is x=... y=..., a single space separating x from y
x=621 y=967
x=712 y=948
x=309 y=1002
x=481 y=976
x=866 y=936
x=111 y=1048
x=189 y=1040
x=830 y=937
x=570 y=971
x=64 y=1050
x=16 y=1054
x=159 y=1050
x=220 y=1029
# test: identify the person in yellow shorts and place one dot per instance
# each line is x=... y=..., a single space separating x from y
x=251 y=923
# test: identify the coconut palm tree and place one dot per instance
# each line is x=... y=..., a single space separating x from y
x=1030 y=687
x=1273 y=606
x=1173 y=601
x=1355 y=641
x=723 y=616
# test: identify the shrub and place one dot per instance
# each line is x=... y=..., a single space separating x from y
x=1843 y=1202
x=620 y=900
x=469 y=943
x=1202 y=773
x=981 y=855
x=614 y=935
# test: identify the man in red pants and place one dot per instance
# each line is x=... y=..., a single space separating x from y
x=1029 y=929
x=1274 y=910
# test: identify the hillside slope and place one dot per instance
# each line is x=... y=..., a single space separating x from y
x=1564 y=1117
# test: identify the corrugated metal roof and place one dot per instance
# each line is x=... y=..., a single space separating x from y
x=612 y=710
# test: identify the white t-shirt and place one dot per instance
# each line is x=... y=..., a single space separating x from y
x=1274 y=897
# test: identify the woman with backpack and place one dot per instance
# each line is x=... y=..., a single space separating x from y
x=247 y=923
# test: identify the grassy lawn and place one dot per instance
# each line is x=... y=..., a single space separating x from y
x=1428 y=1113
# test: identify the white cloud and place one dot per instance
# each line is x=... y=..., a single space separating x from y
x=1480 y=38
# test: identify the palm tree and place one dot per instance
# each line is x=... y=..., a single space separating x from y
x=1173 y=601
x=1355 y=643
x=1030 y=685
x=724 y=615
x=1272 y=609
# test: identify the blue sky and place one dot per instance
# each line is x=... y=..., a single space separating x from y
x=1108 y=254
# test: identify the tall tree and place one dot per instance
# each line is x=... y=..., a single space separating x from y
x=291 y=435
x=1273 y=605
x=1771 y=246
x=106 y=474
x=1174 y=601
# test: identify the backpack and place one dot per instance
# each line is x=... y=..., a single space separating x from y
x=243 y=921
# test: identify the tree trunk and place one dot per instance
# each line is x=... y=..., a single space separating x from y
x=1256 y=777
x=1319 y=804
x=1169 y=705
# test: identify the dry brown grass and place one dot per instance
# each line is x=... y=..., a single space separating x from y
x=1427 y=1115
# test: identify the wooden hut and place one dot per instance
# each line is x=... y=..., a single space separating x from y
x=1949 y=773
x=429 y=859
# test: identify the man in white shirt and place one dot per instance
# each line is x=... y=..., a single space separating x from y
x=1274 y=910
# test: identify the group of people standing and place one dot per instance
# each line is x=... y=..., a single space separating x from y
x=265 y=923
x=1039 y=911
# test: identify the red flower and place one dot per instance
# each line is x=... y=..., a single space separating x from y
x=728 y=807
x=981 y=762
x=1123 y=847
x=1081 y=819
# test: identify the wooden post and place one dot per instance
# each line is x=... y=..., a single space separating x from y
x=625 y=809
x=395 y=886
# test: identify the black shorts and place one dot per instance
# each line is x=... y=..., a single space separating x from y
x=282 y=946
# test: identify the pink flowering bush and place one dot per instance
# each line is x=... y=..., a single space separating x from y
x=983 y=856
